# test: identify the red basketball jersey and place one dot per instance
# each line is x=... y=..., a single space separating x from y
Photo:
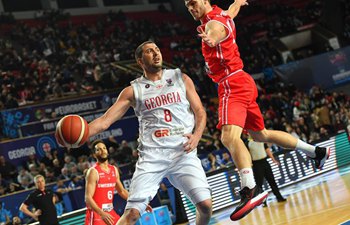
x=103 y=196
x=224 y=59
x=105 y=187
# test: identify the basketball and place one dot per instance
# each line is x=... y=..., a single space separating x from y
x=72 y=131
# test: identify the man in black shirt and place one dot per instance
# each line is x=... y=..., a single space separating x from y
x=43 y=202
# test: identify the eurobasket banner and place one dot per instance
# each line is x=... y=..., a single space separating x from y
x=18 y=150
x=12 y=119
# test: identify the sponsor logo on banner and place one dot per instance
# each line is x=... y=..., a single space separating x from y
x=45 y=144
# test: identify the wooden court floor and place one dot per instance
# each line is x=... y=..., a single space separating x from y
x=322 y=200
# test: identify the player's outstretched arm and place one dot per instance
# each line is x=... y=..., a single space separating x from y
x=234 y=8
x=114 y=113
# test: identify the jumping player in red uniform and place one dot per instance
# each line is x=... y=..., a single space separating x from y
x=101 y=181
x=237 y=92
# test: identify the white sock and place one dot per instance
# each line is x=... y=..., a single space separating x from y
x=308 y=149
x=247 y=178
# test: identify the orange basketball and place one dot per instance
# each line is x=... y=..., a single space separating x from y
x=72 y=131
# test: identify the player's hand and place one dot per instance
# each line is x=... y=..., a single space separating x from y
x=37 y=213
x=192 y=142
x=276 y=162
x=149 y=208
x=107 y=218
x=209 y=41
x=242 y=2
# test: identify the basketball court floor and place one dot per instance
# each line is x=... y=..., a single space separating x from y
x=322 y=200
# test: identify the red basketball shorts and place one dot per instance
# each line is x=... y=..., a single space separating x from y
x=237 y=103
x=92 y=218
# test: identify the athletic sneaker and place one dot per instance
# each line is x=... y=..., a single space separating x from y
x=264 y=203
x=281 y=199
x=322 y=154
x=250 y=198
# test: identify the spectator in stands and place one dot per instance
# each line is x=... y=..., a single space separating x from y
x=324 y=135
x=60 y=186
x=65 y=173
x=112 y=142
x=226 y=159
x=323 y=113
x=5 y=215
x=62 y=190
x=14 y=187
x=58 y=205
x=164 y=196
x=47 y=159
x=50 y=175
x=56 y=167
x=33 y=169
x=3 y=182
x=214 y=163
x=32 y=160
x=16 y=221
x=43 y=201
x=82 y=164
x=125 y=152
x=76 y=182
x=69 y=164
x=7 y=169
x=25 y=175
x=3 y=190
x=297 y=112
x=11 y=102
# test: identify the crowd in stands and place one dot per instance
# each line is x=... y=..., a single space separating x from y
x=53 y=57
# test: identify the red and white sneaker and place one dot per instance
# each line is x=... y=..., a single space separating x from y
x=250 y=198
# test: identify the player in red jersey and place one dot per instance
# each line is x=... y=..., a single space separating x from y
x=237 y=92
x=101 y=181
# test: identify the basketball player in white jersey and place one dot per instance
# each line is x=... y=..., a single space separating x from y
x=171 y=122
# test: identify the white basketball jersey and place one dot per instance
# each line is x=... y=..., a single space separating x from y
x=163 y=111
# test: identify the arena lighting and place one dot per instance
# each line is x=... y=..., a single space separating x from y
x=294 y=167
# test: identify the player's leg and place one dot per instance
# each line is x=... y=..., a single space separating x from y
x=144 y=185
x=286 y=140
x=259 y=172
x=203 y=212
x=236 y=94
x=259 y=175
x=129 y=217
x=272 y=182
x=251 y=195
x=187 y=175
x=231 y=139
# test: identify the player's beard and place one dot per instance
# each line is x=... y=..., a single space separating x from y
x=102 y=159
x=154 y=67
